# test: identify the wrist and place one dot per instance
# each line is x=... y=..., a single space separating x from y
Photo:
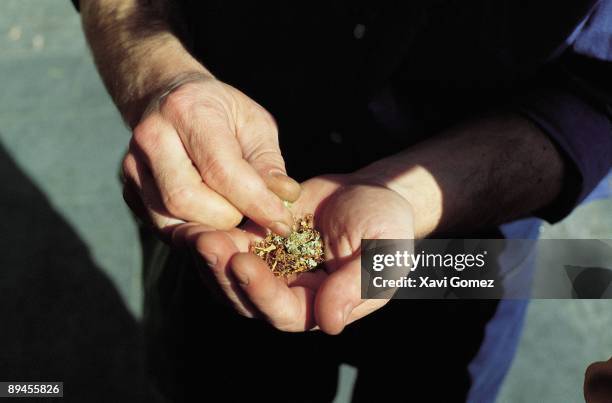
x=172 y=85
x=414 y=183
x=136 y=52
x=136 y=100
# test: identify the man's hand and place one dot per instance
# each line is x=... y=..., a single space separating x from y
x=473 y=176
x=346 y=211
x=208 y=154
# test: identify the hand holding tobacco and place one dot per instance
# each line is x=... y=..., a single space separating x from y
x=345 y=211
x=209 y=154
x=441 y=185
x=201 y=151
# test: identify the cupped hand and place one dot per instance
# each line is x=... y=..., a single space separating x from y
x=346 y=211
x=208 y=154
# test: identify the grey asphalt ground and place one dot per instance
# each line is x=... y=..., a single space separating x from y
x=61 y=142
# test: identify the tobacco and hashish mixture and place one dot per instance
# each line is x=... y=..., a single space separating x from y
x=299 y=252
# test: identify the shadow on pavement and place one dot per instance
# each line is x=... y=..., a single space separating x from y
x=61 y=318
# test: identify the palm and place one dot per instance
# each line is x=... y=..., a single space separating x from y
x=344 y=213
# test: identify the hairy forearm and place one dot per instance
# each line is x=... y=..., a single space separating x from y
x=135 y=51
x=471 y=177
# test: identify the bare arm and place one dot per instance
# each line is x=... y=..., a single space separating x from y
x=480 y=174
x=135 y=51
x=189 y=157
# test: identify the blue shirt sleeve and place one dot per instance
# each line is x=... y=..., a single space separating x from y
x=573 y=105
x=594 y=36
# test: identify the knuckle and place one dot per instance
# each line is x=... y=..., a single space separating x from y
x=177 y=103
x=205 y=244
x=234 y=218
x=273 y=128
x=224 y=218
x=128 y=166
x=262 y=125
x=178 y=201
x=227 y=219
x=266 y=160
x=201 y=244
x=145 y=136
x=215 y=172
x=268 y=119
x=254 y=207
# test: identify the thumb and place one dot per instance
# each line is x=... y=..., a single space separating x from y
x=338 y=296
x=259 y=140
x=271 y=167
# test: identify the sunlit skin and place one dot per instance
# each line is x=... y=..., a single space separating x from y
x=329 y=298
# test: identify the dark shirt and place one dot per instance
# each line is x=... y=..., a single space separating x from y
x=317 y=66
x=350 y=82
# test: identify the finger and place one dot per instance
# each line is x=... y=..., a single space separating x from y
x=268 y=162
x=184 y=235
x=239 y=183
x=212 y=146
x=139 y=178
x=338 y=296
x=365 y=308
x=278 y=182
x=258 y=137
x=181 y=189
x=286 y=308
x=216 y=249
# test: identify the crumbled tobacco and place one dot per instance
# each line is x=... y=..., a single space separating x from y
x=299 y=252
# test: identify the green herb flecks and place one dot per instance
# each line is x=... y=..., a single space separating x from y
x=299 y=252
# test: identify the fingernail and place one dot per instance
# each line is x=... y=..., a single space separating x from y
x=242 y=277
x=276 y=172
x=347 y=312
x=280 y=228
x=211 y=260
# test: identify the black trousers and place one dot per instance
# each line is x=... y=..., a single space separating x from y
x=200 y=350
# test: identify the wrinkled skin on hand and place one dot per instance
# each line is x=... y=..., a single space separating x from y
x=346 y=210
x=208 y=154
